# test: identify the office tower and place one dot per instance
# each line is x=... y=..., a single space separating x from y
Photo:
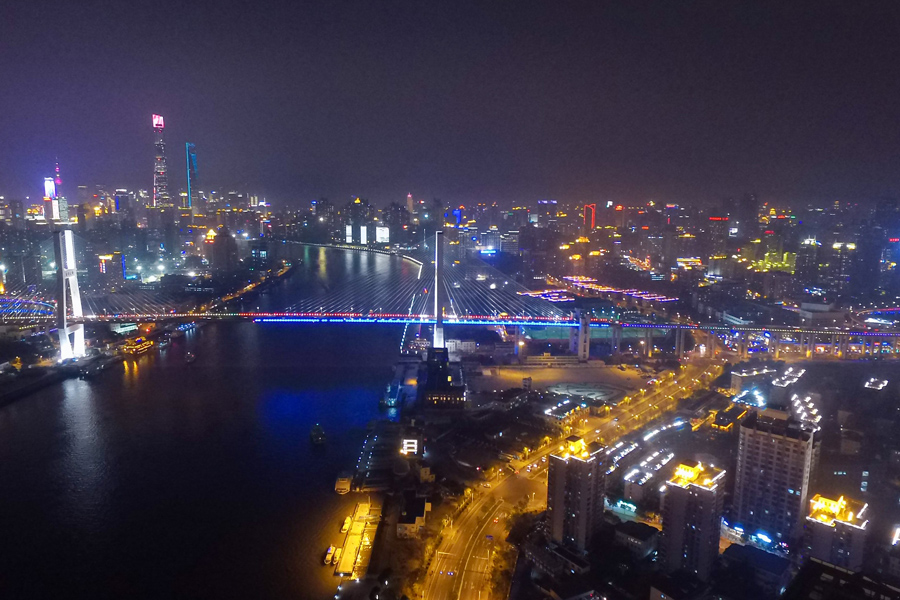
x=410 y=205
x=807 y=264
x=490 y=240
x=590 y=209
x=776 y=457
x=223 y=255
x=691 y=504
x=546 y=214
x=836 y=531
x=51 y=205
x=509 y=242
x=746 y=216
x=575 y=488
x=841 y=265
x=160 y=170
x=192 y=181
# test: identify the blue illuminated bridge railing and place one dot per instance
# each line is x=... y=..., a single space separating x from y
x=46 y=315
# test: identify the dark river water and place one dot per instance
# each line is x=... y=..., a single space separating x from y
x=162 y=479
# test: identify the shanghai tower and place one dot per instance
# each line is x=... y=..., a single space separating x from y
x=160 y=169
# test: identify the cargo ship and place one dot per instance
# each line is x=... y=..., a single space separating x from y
x=136 y=346
x=317 y=435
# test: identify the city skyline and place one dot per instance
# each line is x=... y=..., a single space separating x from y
x=470 y=103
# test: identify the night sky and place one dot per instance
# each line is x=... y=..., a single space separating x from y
x=465 y=101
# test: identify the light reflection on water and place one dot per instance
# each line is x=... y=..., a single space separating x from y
x=166 y=479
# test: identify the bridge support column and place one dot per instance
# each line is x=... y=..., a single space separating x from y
x=679 y=343
x=648 y=343
x=67 y=295
x=584 y=335
x=742 y=345
x=776 y=341
x=616 y=339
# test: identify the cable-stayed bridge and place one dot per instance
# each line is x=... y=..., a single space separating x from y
x=356 y=285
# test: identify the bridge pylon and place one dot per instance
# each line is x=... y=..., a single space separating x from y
x=438 y=341
x=67 y=294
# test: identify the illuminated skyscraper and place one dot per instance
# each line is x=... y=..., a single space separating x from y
x=836 y=531
x=192 y=181
x=160 y=169
x=62 y=205
x=575 y=488
x=51 y=204
x=691 y=517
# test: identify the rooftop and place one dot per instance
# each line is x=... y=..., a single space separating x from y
x=639 y=531
x=818 y=579
x=754 y=372
x=412 y=507
x=575 y=447
x=698 y=474
x=776 y=422
x=750 y=397
x=842 y=510
x=788 y=377
x=759 y=559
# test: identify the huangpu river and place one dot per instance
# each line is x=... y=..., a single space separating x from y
x=163 y=479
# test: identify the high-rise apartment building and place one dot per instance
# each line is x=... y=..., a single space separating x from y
x=575 y=488
x=777 y=455
x=691 y=506
x=160 y=169
x=836 y=531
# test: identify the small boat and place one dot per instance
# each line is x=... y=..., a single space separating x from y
x=163 y=342
x=329 y=554
x=317 y=435
x=137 y=346
x=346 y=526
x=342 y=485
x=337 y=556
x=189 y=357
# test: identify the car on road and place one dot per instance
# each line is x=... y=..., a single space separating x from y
x=486 y=485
